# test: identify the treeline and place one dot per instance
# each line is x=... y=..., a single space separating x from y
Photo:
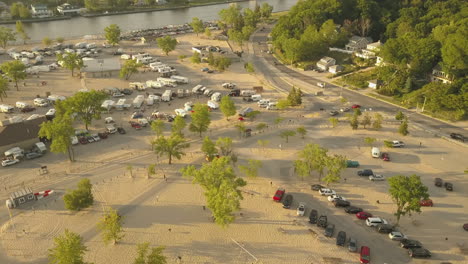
x=417 y=36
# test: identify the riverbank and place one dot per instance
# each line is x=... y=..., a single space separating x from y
x=34 y=20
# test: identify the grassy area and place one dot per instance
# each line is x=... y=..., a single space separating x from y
x=359 y=79
x=277 y=15
x=341 y=58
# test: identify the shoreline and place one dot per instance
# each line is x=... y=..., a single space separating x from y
x=35 y=20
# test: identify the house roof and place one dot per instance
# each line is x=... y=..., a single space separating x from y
x=101 y=65
x=326 y=59
x=375 y=44
x=18 y=132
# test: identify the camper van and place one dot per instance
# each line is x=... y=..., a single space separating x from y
x=145 y=60
x=179 y=79
x=15 y=152
x=216 y=97
x=138 y=101
x=150 y=101
x=271 y=106
x=375 y=152
x=245 y=111
x=196 y=88
x=212 y=104
x=6 y=108
x=137 y=86
x=166 y=97
x=154 y=84
x=180 y=112
x=108 y=104
x=256 y=97
x=167 y=81
x=247 y=93
x=120 y=104
x=180 y=93
x=21 y=105
x=53 y=98
x=40 y=102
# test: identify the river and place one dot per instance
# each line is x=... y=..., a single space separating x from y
x=80 y=26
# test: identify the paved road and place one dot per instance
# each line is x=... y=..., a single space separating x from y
x=265 y=63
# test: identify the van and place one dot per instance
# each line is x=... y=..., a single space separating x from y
x=216 y=97
x=145 y=60
x=41 y=102
x=271 y=106
x=256 y=97
x=196 y=88
x=111 y=129
x=247 y=93
x=375 y=152
x=364 y=256
x=375 y=221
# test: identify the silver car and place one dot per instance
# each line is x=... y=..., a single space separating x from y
x=352 y=245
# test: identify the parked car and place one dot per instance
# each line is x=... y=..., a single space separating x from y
x=438 y=182
x=83 y=140
x=33 y=155
x=301 y=209
x=377 y=177
x=329 y=230
x=9 y=162
x=327 y=192
x=90 y=139
x=352 y=164
x=334 y=113
x=408 y=243
x=364 y=256
x=363 y=215
x=103 y=135
x=74 y=140
x=287 y=201
x=385 y=228
x=322 y=221
x=341 y=203
x=316 y=187
x=366 y=172
x=344 y=109
x=135 y=125
x=355 y=106
x=352 y=245
x=448 y=186
x=313 y=216
x=127 y=91
x=27 y=109
x=427 y=202
x=457 y=136
x=419 y=253
x=96 y=137
x=352 y=210
x=279 y=194
x=398 y=144
x=334 y=197
x=385 y=156
x=375 y=221
x=121 y=130
x=341 y=238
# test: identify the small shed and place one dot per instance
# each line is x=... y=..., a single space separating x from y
x=335 y=69
x=21 y=197
x=374 y=84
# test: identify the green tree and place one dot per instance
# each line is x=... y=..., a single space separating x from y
x=130 y=169
x=128 y=68
x=197 y=25
x=241 y=128
x=294 y=97
x=208 y=32
x=178 y=125
x=283 y=104
x=68 y=248
x=333 y=121
x=261 y=126
x=251 y=170
x=388 y=143
x=3 y=87
x=154 y=257
x=335 y=165
x=249 y=67
x=151 y=170
x=195 y=58
x=278 y=120
x=366 y=120
x=80 y=198
x=14 y=10
x=227 y=107
x=112 y=34
x=399 y=116
x=354 y=122
x=232 y=16
x=111 y=226
x=287 y=133
x=71 y=61
x=20 y=31
x=221 y=188
x=46 y=41
x=172 y=146
x=263 y=143
x=24 y=12
x=343 y=100
x=15 y=70
x=225 y=145
x=200 y=119
x=60 y=40
x=6 y=34
x=221 y=63
x=59 y=131
x=311 y=158
x=377 y=124
x=158 y=127
x=357 y=112
x=266 y=10
x=167 y=44
x=407 y=192
x=86 y=105
x=370 y=141
x=209 y=148
x=301 y=131
x=236 y=35
x=403 y=129
x=250 y=18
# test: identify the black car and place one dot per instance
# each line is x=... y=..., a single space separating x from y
x=457 y=137
x=235 y=92
x=408 y=243
x=448 y=186
x=419 y=253
x=287 y=201
x=121 y=130
x=322 y=221
x=316 y=187
x=313 y=216
x=385 y=228
x=341 y=238
x=127 y=91
x=341 y=203
x=365 y=173
x=353 y=210
x=438 y=182
x=329 y=230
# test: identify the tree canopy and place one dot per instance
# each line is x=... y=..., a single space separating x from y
x=227 y=107
x=80 y=198
x=15 y=70
x=70 y=61
x=85 y=105
x=167 y=44
x=111 y=226
x=59 y=131
x=197 y=25
x=155 y=256
x=172 y=146
x=68 y=248
x=129 y=68
x=6 y=34
x=200 y=119
x=112 y=34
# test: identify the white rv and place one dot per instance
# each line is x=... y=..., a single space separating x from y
x=256 y=97
x=150 y=101
x=196 y=88
x=21 y=105
x=6 y=108
x=138 y=86
x=167 y=81
x=179 y=79
x=53 y=98
x=40 y=102
x=216 y=97
x=138 y=101
x=247 y=93
x=154 y=84
x=180 y=112
x=212 y=104
x=120 y=104
x=108 y=104
x=145 y=60
x=166 y=97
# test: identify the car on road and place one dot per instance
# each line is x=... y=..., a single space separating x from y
x=326 y=191
x=352 y=245
x=457 y=136
x=385 y=156
x=385 y=228
x=121 y=130
x=329 y=230
x=313 y=216
x=33 y=155
x=341 y=203
x=334 y=112
x=365 y=173
x=363 y=215
x=352 y=210
x=287 y=201
x=398 y=144
x=205 y=69
x=438 y=182
x=334 y=197
x=427 y=202
x=364 y=256
x=355 y=106
x=316 y=187
x=409 y=243
x=377 y=177
x=341 y=238
x=322 y=221
x=344 y=109
x=9 y=162
x=301 y=209
x=375 y=221
x=279 y=194
x=419 y=253
x=448 y=186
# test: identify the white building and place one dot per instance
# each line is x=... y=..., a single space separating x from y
x=357 y=43
x=325 y=62
x=68 y=10
x=39 y=10
x=335 y=69
x=438 y=75
x=370 y=51
x=101 y=68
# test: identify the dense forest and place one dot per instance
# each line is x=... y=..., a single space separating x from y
x=417 y=36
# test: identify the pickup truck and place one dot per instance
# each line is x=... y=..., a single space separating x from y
x=366 y=173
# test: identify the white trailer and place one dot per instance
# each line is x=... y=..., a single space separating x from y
x=196 y=88
x=180 y=93
x=247 y=93
x=150 y=101
x=120 y=104
x=212 y=104
x=138 y=86
x=216 y=97
x=138 y=101
x=167 y=81
x=179 y=79
x=6 y=108
x=108 y=104
x=166 y=97
x=53 y=98
x=21 y=105
x=154 y=84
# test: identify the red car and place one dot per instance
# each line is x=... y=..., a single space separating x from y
x=385 y=156
x=364 y=255
x=354 y=106
x=83 y=140
x=363 y=215
x=279 y=194
x=135 y=125
x=427 y=202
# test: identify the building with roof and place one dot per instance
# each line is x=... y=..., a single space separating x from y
x=69 y=10
x=370 y=52
x=101 y=68
x=335 y=69
x=357 y=43
x=438 y=75
x=325 y=62
x=40 y=10
x=22 y=134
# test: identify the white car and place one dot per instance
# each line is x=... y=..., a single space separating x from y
x=377 y=177
x=397 y=236
x=334 y=197
x=96 y=137
x=229 y=85
x=74 y=140
x=51 y=112
x=398 y=144
x=375 y=221
x=301 y=209
x=8 y=162
x=180 y=112
x=41 y=102
x=125 y=56
x=109 y=120
x=327 y=192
